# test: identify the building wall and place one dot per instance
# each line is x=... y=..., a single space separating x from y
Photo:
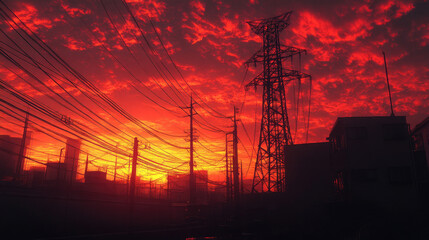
x=178 y=186
x=308 y=175
x=421 y=157
x=72 y=158
x=9 y=151
x=55 y=172
x=421 y=140
x=373 y=156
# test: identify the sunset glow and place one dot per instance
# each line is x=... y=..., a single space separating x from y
x=140 y=75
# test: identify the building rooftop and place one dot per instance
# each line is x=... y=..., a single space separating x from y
x=343 y=120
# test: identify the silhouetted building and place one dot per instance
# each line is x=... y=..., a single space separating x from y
x=421 y=141
x=35 y=176
x=55 y=172
x=420 y=136
x=95 y=177
x=371 y=161
x=178 y=187
x=9 y=152
x=96 y=182
x=72 y=158
x=308 y=173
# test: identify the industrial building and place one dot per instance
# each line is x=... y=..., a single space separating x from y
x=95 y=177
x=308 y=174
x=55 y=172
x=178 y=187
x=420 y=135
x=35 y=176
x=371 y=160
x=9 y=152
x=71 y=158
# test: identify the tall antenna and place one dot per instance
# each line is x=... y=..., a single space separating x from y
x=388 y=86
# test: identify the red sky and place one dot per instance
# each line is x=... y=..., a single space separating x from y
x=209 y=41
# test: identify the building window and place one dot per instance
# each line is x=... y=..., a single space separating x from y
x=364 y=175
x=337 y=143
x=339 y=182
x=399 y=175
x=418 y=143
x=357 y=133
x=395 y=132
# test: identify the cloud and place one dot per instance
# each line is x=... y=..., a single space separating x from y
x=75 y=11
x=144 y=9
x=29 y=15
x=210 y=40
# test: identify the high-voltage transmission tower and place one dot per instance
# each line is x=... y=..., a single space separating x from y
x=269 y=175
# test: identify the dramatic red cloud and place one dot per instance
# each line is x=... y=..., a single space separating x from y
x=74 y=12
x=28 y=14
x=145 y=9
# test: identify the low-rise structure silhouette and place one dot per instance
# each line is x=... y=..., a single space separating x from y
x=372 y=161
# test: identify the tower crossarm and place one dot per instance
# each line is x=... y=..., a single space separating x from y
x=257 y=81
x=285 y=52
x=255 y=58
x=287 y=76
x=290 y=75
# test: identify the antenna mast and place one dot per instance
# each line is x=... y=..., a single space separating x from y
x=388 y=86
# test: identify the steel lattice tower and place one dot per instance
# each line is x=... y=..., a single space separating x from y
x=275 y=133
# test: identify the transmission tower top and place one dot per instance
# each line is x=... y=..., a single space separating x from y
x=264 y=26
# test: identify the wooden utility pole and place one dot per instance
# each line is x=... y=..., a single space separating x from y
x=128 y=175
x=116 y=165
x=228 y=182
x=150 y=188
x=86 y=166
x=235 y=159
x=133 y=174
x=241 y=176
x=192 y=186
x=59 y=165
x=19 y=163
x=73 y=163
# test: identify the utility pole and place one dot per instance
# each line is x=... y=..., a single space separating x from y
x=228 y=183
x=116 y=165
x=192 y=186
x=21 y=156
x=235 y=158
x=150 y=188
x=392 y=114
x=86 y=166
x=133 y=175
x=168 y=186
x=241 y=175
x=59 y=166
x=72 y=169
x=128 y=175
